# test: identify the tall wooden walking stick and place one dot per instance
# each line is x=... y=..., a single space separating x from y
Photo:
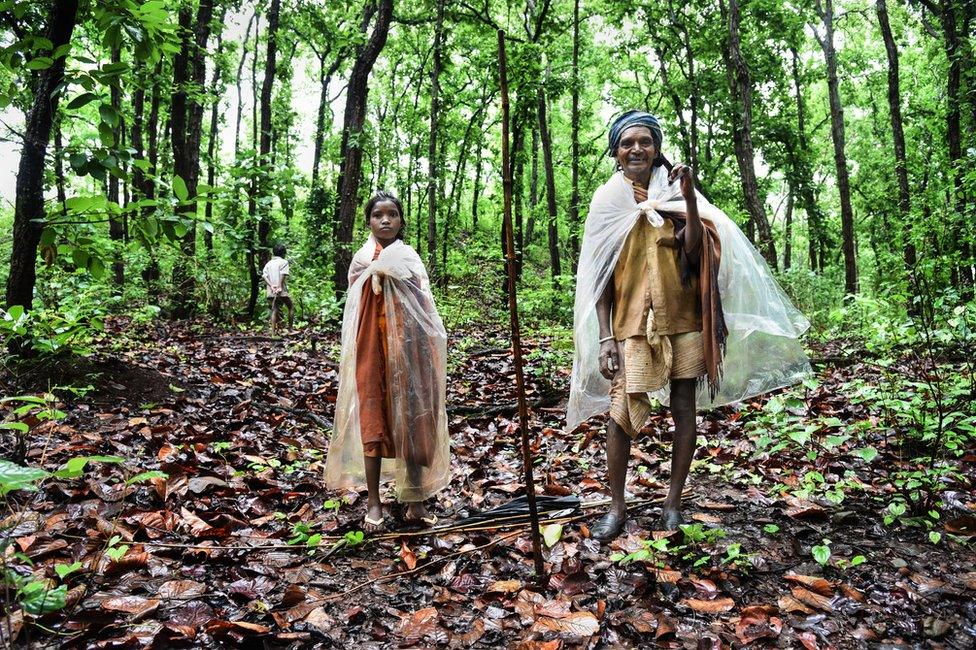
x=513 y=313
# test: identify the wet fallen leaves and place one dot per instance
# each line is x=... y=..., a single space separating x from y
x=239 y=424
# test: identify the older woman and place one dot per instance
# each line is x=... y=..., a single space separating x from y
x=665 y=283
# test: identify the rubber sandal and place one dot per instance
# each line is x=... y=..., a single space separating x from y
x=607 y=527
x=378 y=524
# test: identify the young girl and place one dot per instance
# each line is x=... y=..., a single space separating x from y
x=390 y=421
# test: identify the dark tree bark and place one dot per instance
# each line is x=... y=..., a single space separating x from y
x=212 y=135
x=29 y=201
x=740 y=85
x=186 y=124
x=352 y=154
x=788 y=234
x=325 y=79
x=251 y=254
x=804 y=177
x=826 y=11
x=433 y=171
x=150 y=274
x=59 y=179
x=116 y=228
x=240 y=75
x=476 y=190
x=574 y=199
x=552 y=229
x=264 y=160
x=533 y=185
x=898 y=134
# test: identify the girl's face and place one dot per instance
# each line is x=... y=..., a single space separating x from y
x=385 y=222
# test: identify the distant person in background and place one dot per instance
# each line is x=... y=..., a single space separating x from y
x=391 y=420
x=275 y=276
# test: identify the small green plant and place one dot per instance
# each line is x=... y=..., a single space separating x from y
x=354 y=538
x=302 y=535
x=652 y=551
x=770 y=529
x=821 y=552
x=114 y=550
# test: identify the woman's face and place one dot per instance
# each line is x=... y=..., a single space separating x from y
x=636 y=150
x=385 y=222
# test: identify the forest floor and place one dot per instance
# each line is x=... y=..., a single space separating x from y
x=238 y=544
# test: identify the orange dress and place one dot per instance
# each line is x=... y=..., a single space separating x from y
x=371 y=375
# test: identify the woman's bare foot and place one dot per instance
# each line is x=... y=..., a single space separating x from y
x=416 y=511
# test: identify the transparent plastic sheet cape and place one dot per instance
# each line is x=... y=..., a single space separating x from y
x=763 y=352
x=416 y=374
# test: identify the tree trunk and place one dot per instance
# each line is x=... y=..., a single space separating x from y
x=432 y=167
x=553 y=229
x=352 y=154
x=186 y=124
x=150 y=274
x=212 y=135
x=265 y=165
x=533 y=186
x=116 y=229
x=840 y=158
x=240 y=75
x=804 y=177
x=574 y=199
x=29 y=201
x=476 y=190
x=788 y=245
x=898 y=135
x=740 y=85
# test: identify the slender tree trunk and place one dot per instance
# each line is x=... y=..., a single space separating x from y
x=574 y=199
x=212 y=135
x=476 y=190
x=251 y=254
x=264 y=161
x=533 y=186
x=59 y=179
x=804 y=181
x=325 y=79
x=29 y=201
x=352 y=155
x=740 y=84
x=898 y=134
x=240 y=75
x=151 y=273
x=187 y=124
x=840 y=158
x=432 y=165
x=552 y=229
x=788 y=245
x=116 y=230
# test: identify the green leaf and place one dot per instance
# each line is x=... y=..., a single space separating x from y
x=15 y=426
x=771 y=529
x=821 y=554
x=118 y=552
x=16 y=477
x=40 y=63
x=146 y=476
x=37 y=599
x=64 y=570
x=935 y=537
x=82 y=100
x=867 y=454
x=109 y=115
x=75 y=467
x=552 y=534
x=179 y=188
x=858 y=559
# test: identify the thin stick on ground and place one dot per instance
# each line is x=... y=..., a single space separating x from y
x=513 y=314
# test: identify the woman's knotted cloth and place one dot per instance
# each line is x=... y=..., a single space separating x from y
x=762 y=350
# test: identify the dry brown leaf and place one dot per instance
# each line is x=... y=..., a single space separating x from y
x=669 y=576
x=755 y=622
x=505 y=587
x=709 y=606
x=414 y=627
x=852 y=593
x=321 y=621
x=136 y=606
x=812 y=599
x=197 y=526
x=574 y=625
x=178 y=588
x=820 y=585
x=788 y=603
x=409 y=557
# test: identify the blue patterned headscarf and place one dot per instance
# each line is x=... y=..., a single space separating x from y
x=631 y=118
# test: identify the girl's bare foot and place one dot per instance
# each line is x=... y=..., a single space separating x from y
x=373 y=521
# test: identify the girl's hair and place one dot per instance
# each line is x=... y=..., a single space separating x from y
x=383 y=195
